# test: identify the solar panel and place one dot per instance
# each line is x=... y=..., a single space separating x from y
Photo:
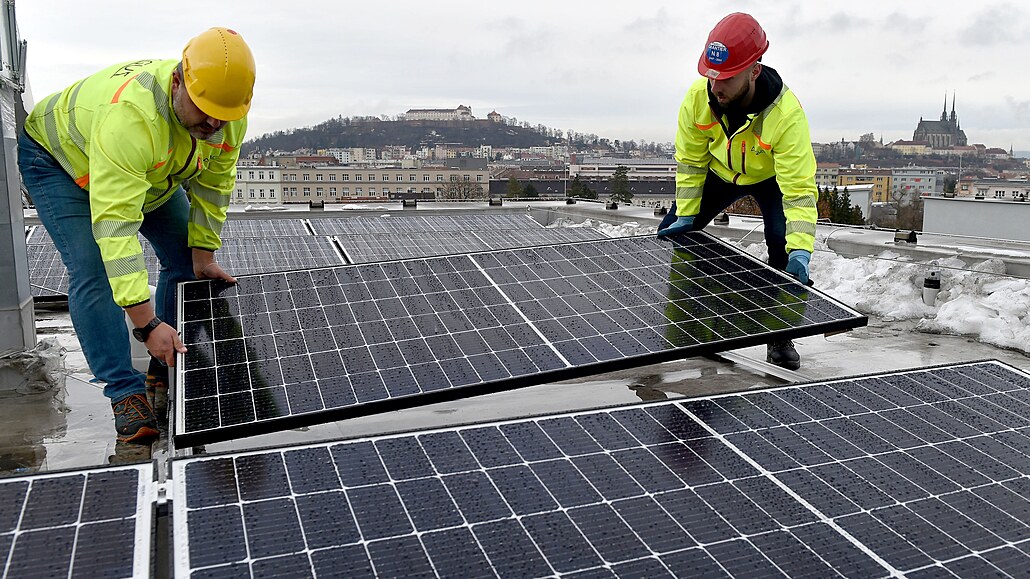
x=285 y=350
x=369 y=248
x=48 y=278
x=916 y=473
x=241 y=256
x=234 y=228
x=402 y=224
x=89 y=523
x=36 y=234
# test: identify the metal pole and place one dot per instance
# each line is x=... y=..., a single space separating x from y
x=17 y=321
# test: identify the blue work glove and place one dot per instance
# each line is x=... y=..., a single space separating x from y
x=681 y=225
x=797 y=264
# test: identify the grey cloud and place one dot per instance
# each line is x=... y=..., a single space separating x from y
x=1021 y=109
x=657 y=24
x=993 y=25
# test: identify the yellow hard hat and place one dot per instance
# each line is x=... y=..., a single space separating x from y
x=218 y=71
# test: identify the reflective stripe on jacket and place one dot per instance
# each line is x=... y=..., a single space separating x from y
x=117 y=136
x=773 y=142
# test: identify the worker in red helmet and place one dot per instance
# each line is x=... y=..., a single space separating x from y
x=743 y=132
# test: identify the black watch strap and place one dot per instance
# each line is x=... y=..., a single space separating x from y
x=141 y=334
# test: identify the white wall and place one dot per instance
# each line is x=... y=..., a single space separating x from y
x=992 y=218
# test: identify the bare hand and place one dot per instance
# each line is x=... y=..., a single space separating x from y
x=213 y=271
x=205 y=266
x=164 y=343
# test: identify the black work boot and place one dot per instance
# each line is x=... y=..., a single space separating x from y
x=783 y=354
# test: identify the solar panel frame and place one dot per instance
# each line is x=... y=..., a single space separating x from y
x=72 y=523
x=258 y=332
x=661 y=488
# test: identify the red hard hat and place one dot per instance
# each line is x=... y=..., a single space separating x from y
x=735 y=43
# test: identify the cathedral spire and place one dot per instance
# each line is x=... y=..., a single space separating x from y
x=944 y=112
x=954 y=118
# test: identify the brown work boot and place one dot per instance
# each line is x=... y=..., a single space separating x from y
x=134 y=419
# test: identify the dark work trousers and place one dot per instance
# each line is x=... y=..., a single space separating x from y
x=718 y=195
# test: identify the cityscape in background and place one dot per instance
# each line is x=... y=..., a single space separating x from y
x=887 y=183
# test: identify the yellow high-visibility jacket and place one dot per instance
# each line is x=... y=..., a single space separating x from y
x=116 y=135
x=773 y=142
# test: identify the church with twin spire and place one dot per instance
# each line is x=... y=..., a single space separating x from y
x=943 y=133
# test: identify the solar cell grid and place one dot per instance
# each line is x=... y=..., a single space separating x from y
x=240 y=256
x=371 y=248
x=278 y=350
x=613 y=492
x=89 y=523
x=241 y=228
x=404 y=224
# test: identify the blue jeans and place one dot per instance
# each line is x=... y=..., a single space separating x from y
x=99 y=323
x=718 y=195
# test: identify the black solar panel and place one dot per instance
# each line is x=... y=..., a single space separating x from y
x=917 y=473
x=234 y=228
x=284 y=350
x=402 y=224
x=48 y=278
x=90 y=523
x=369 y=248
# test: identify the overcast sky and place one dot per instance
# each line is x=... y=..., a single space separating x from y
x=618 y=69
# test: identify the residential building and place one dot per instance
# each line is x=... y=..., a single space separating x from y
x=826 y=175
x=357 y=183
x=911 y=182
x=880 y=178
x=257 y=184
x=595 y=168
x=1001 y=189
x=914 y=148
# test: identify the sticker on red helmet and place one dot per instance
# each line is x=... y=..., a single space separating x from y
x=717 y=52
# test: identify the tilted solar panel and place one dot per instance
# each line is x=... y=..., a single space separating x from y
x=285 y=350
x=236 y=228
x=401 y=224
x=914 y=473
x=239 y=256
x=88 y=523
x=369 y=248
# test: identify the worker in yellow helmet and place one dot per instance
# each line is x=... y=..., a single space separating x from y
x=149 y=147
x=742 y=132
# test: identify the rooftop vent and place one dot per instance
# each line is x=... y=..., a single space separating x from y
x=660 y=210
x=722 y=219
x=611 y=205
x=904 y=236
x=316 y=204
x=409 y=202
x=495 y=202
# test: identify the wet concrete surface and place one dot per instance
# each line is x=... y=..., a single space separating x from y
x=71 y=426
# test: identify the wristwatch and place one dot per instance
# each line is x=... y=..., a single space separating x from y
x=141 y=334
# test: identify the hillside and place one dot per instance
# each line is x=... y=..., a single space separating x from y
x=376 y=133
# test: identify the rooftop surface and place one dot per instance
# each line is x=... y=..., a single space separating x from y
x=70 y=425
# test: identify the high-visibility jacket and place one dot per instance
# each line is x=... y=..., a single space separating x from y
x=773 y=142
x=116 y=135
